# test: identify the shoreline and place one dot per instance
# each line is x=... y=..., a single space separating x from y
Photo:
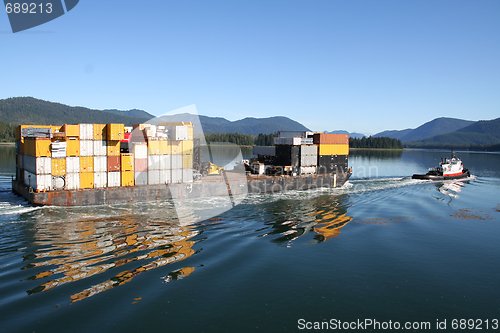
x=7 y=143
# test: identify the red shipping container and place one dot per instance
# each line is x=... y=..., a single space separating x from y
x=327 y=138
x=141 y=164
x=114 y=163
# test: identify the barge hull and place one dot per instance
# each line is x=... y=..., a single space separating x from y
x=229 y=184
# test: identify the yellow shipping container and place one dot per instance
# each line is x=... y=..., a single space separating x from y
x=59 y=166
x=176 y=147
x=100 y=132
x=127 y=178
x=187 y=147
x=39 y=147
x=116 y=132
x=165 y=148
x=127 y=162
x=71 y=130
x=190 y=133
x=73 y=147
x=153 y=147
x=86 y=180
x=113 y=148
x=87 y=164
x=333 y=149
x=187 y=161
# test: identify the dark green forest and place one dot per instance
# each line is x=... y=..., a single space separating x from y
x=7 y=132
x=375 y=142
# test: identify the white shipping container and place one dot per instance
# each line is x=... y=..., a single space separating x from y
x=165 y=176
x=114 y=179
x=288 y=141
x=151 y=131
x=165 y=162
x=140 y=151
x=73 y=165
x=309 y=170
x=181 y=133
x=176 y=176
x=86 y=131
x=100 y=179
x=187 y=175
x=154 y=162
x=86 y=148
x=154 y=177
x=58 y=149
x=100 y=164
x=308 y=160
x=176 y=162
x=38 y=165
x=141 y=178
x=100 y=148
x=58 y=182
x=38 y=182
x=72 y=181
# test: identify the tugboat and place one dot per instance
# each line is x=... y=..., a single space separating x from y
x=449 y=168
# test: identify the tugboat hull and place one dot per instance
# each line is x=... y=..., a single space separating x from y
x=435 y=176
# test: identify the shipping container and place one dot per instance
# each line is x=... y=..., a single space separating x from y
x=72 y=147
x=165 y=176
x=165 y=162
x=165 y=148
x=153 y=177
x=72 y=181
x=127 y=178
x=58 y=183
x=71 y=130
x=100 y=163
x=38 y=147
x=114 y=179
x=58 y=166
x=176 y=147
x=307 y=170
x=187 y=161
x=154 y=162
x=140 y=178
x=38 y=182
x=73 y=165
x=87 y=164
x=288 y=141
x=308 y=155
x=113 y=148
x=154 y=147
x=100 y=148
x=140 y=164
x=58 y=149
x=176 y=175
x=38 y=165
x=100 y=179
x=176 y=161
x=115 y=132
x=86 y=180
x=86 y=148
x=264 y=150
x=150 y=131
x=100 y=132
x=187 y=175
x=288 y=156
x=332 y=163
x=333 y=149
x=86 y=131
x=328 y=138
x=114 y=164
x=127 y=162
x=140 y=151
x=181 y=133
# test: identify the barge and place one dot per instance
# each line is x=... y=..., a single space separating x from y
x=108 y=164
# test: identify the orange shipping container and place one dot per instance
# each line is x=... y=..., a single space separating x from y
x=38 y=147
x=86 y=180
x=72 y=147
x=114 y=163
x=100 y=132
x=127 y=161
x=115 y=132
x=113 y=148
x=58 y=166
x=127 y=178
x=327 y=138
x=71 y=130
x=87 y=164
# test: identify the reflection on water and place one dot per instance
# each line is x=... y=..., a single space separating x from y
x=377 y=153
x=71 y=251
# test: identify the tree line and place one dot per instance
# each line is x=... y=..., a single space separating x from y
x=242 y=139
x=7 y=132
x=375 y=142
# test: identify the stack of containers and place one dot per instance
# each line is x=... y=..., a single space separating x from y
x=153 y=156
x=181 y=164
x=86 y=156
x=127 y=169
x=115 y=133
x=72 y=177
x=58 y=154
x=37 y=163
x=308 y=159
x=140 y=151
x=288 y=151
x=333 y=152
x=100 y=157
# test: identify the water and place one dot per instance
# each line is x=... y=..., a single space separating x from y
x=384 y=247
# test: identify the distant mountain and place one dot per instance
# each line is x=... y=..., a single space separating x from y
x=481 y=133
x=352 y=135
x=438 y=126
x=29 y=110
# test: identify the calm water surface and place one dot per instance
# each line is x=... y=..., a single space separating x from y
x=384 y=247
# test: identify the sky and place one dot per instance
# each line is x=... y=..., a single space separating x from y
x=362 y=66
